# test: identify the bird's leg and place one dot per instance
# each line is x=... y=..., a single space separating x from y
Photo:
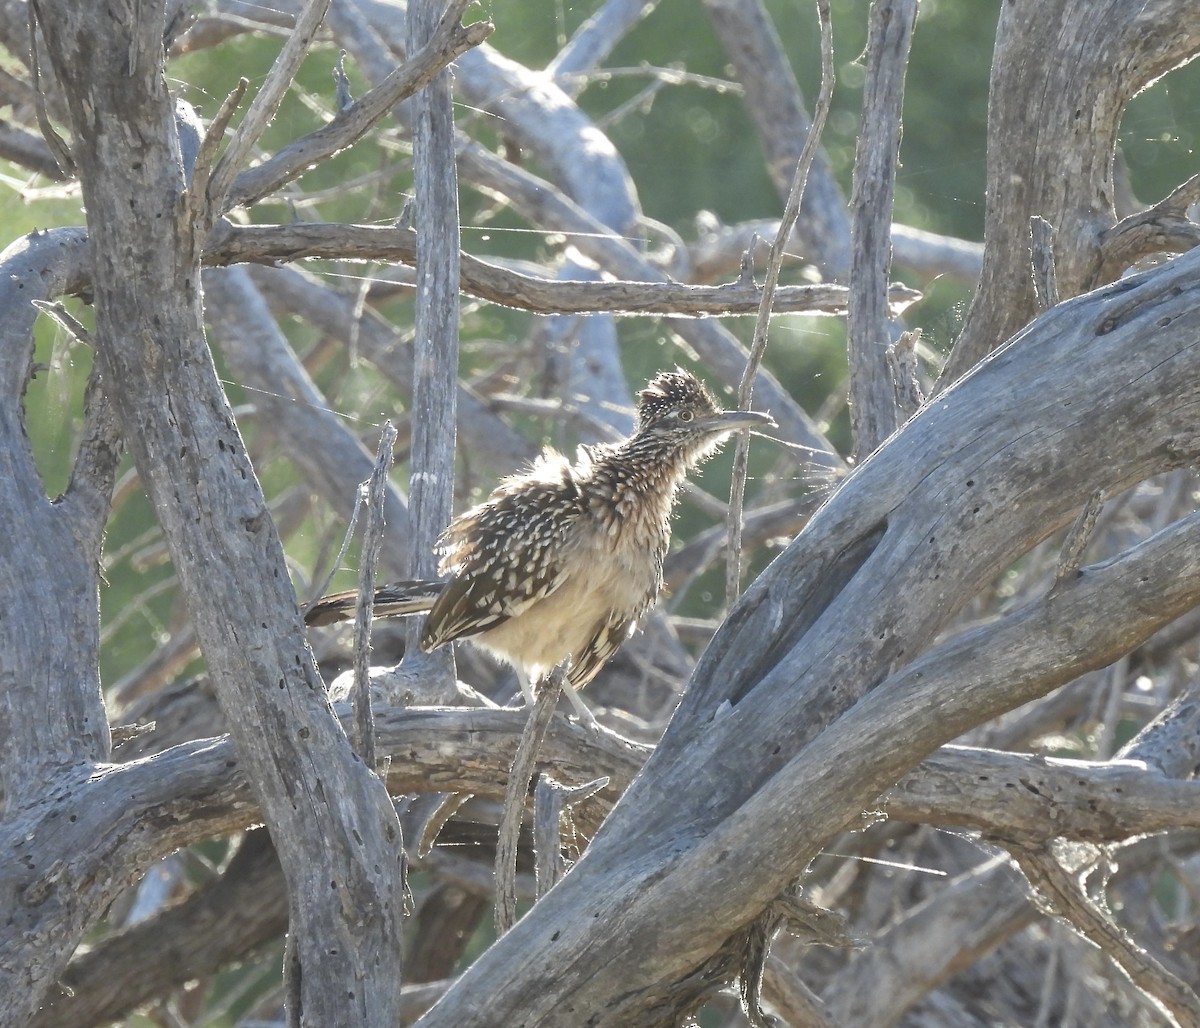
x=586 y=718
x=526 y=687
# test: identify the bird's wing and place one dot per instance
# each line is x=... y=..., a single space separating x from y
x=505 y=554
x=607 y=640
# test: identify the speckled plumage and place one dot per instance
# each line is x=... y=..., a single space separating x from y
x=563 y=559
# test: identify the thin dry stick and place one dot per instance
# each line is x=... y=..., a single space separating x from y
x=66 y=320
x=266 y=102
x=1062 y=893
x=799 y=1006
x=337 y=561
x=352 y=122
x=198 y=198
x=449 y=806
x=902 y=363
x=519 y=777
x=273 y=244
x=362 y=726
x=791 y=210
x=435 y=324
x=1071 y=556
x=58 y=145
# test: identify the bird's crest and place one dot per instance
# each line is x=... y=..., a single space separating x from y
x=671 y=391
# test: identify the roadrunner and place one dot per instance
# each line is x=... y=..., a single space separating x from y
x=561 y=560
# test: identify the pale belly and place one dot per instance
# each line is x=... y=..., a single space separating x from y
x=600 y=582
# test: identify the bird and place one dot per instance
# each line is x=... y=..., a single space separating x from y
x=563 y=559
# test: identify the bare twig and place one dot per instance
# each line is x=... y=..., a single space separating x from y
x=717 y=249
x=346 y=540
x=519 y=777
x=795 y=914
x=902 y=365
x=264 y=105
x=362 y=732
x=795 y=1001
x=737 y=492
x=450 y=804
x=273 y=243
x=705 y=548
x=198 y=198
x=351 y=123
x=341 y=83
x=320 y=443
x=66 y=320
x=754 y=943
x=776 y=107
x=88 y=497
x=30 y=151
x=1064 y=897
x=1163 y=228
x=496 y=443
x=594 y=40
x=58 y=145
x=436 y=322
x=1071 y=557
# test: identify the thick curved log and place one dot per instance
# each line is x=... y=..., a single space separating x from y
x=808 y=703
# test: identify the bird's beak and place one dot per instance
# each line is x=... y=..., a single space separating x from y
x=732 y=420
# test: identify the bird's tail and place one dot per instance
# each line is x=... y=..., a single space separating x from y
x=393 y=600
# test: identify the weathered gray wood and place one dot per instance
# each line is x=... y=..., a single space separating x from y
x=1171 y=742
x=262 y=108
x=195 y=790
x=449 y=39
x=332 y=819
x=594 y=40
x=599 y=206
x=52 y=717
x=54 y=542
x=222 y=921
x=1062 y=73
x=68 y=856
x=198 y=790
x=973 y=915
x=498 y=443
x=874 y=413
x=511 y=288
x=1100 y=392
x=435 y=381
x=718 y=251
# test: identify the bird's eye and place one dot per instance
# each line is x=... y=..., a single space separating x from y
x=686 y=415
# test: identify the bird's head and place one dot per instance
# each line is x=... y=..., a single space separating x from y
x=676 y=409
